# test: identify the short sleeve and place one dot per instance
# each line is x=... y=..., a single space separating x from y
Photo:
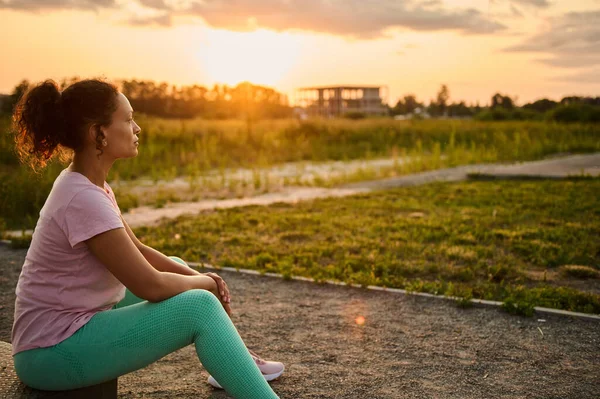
x=89 y=213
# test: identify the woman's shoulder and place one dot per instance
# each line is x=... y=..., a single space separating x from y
x=71 y=187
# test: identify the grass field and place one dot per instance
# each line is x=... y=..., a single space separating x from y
x=525 y=243
x=171 y=148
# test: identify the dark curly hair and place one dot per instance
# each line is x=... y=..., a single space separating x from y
x=46 y=121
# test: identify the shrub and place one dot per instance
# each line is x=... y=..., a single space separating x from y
x=355 y=115
x=579 y=271
x=584 y=113
x=502 y=114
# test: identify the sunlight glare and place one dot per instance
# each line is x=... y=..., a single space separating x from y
x=261 y=57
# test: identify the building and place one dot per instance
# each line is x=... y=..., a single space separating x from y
x=335 y=101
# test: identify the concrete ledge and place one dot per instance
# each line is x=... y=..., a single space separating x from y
x=485 y=302
x=12 y=388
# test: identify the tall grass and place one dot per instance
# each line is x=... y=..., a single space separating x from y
x=170 y=148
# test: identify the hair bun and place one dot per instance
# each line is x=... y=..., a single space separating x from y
x=46 y=117
x=39 y=121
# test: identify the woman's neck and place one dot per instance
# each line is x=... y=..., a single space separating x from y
x=96 y=172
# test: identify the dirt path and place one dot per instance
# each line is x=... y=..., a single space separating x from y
x=408 y=347
x=555 y=167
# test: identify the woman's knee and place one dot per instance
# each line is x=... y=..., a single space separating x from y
x=199 y=298
x=198 y=309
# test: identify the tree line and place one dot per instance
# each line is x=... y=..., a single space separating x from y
x=501 y=107
x=243 y=101
x=253 y=102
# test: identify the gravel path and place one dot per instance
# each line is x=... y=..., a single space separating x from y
x=556 y=167
x=408 y=346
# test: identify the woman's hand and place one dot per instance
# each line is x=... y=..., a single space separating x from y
x=222 y=291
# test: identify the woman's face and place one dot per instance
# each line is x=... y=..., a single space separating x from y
x=121 y=136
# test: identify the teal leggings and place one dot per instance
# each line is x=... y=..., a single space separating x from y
x=136 y=333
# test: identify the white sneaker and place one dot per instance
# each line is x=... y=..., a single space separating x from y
x=270 y=370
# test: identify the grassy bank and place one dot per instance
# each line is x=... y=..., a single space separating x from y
x=192 y=148
x=525 y=243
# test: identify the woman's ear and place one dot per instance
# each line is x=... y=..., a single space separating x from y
x=95 y=134
x=92 y=133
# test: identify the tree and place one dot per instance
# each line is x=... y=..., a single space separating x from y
x=442 y=99
x=9 y=104
x=498 y=100
x=580 y=100
x=411 y=103
x=542 y=105
x=459 y=109
x=406 y=105
x=439 y=106
x=248 y=101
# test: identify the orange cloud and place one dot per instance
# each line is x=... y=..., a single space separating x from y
x=570 y=41
x=351 y=18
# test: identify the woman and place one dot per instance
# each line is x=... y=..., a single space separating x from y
x=93 y=302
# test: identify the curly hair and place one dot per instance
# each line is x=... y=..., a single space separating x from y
x=46 y=121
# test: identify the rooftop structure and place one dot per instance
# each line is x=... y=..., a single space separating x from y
x=334 y=101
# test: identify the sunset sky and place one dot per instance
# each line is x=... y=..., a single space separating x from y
x=526 y=48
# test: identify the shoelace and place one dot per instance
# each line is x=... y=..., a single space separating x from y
x=257 y=358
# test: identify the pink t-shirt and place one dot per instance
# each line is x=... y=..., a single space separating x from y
x=62 y=284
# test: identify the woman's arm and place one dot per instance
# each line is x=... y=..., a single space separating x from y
x=157 y=259
x=163 y=263
x=118 y=253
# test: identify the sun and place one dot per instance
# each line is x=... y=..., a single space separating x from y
x=261 y=57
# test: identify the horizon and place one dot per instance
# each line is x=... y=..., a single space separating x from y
x=293 y=104
x=525 y=49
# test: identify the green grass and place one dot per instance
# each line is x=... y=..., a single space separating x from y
x=486 y=240
x=191 y=148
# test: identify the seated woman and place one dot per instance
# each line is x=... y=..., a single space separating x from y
x=93 y=302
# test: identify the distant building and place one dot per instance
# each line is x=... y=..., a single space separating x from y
x=335 y=101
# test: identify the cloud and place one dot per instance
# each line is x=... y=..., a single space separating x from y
x=588 y=76
x=37 y=5
x=164 y=20
x=534 y=3
x=582 y=61
x=571 y=41
x=157 y=4
x=353 y=18
x=515 y=11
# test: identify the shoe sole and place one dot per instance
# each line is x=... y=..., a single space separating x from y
x=268 y=377
x=271 y=377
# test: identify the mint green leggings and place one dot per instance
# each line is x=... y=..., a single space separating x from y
x=136 y=333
